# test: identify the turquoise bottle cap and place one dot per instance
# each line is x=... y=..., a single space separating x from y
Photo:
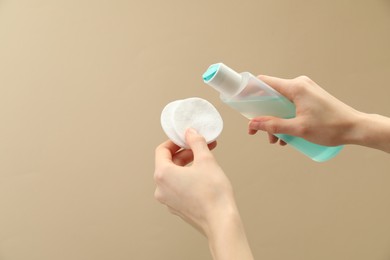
x=223 y=79
x=210 y=72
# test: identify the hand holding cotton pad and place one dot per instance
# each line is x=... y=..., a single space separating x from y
x=195 y=113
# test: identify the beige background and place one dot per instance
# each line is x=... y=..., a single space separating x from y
x=82 y=85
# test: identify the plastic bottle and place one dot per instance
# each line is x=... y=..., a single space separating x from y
x=252 y=97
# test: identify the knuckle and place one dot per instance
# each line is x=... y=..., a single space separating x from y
x=301 y=83
x=158 y=196
x=303 y=130
x=159 y=175
x=272 y=128
x=303 y=78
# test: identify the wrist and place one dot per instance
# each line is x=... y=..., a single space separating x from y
x=355 y=129
x=371 y=130
x=227 y=238
x=219 y=220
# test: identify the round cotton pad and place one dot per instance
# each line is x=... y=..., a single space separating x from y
x=195 y=113
x=167 y=123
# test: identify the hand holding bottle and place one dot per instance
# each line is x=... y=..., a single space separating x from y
x=321 y=118
x=254 y=98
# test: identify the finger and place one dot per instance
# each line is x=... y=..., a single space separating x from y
x=186 y=156
x=282 y=143
x=183 y=157
x=272 y=138
x=212 y=145
x=275 y=125
x=280 y=85
x=250 y=130
x=164 y=152
x=197 y=143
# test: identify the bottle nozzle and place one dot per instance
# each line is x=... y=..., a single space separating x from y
x=223 y=79
x=210 y=72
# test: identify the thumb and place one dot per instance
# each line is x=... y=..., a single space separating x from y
x=274 y=125
x=197 y=143
x=280 y=85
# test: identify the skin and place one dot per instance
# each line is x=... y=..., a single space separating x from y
x=194 y=187
x=321 y=118
x=201 y=194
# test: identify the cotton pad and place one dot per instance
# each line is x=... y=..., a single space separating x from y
x=195 y=113
x=167 y=123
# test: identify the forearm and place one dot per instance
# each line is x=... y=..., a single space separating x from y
x=227 y=238
x=372 y=130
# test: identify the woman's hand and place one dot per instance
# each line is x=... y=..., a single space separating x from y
x=202 y=195
x=320 y=117
x=198 y=193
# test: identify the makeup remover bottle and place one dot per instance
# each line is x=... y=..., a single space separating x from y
x=252 y=98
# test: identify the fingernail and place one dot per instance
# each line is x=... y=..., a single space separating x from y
x=192 y=131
